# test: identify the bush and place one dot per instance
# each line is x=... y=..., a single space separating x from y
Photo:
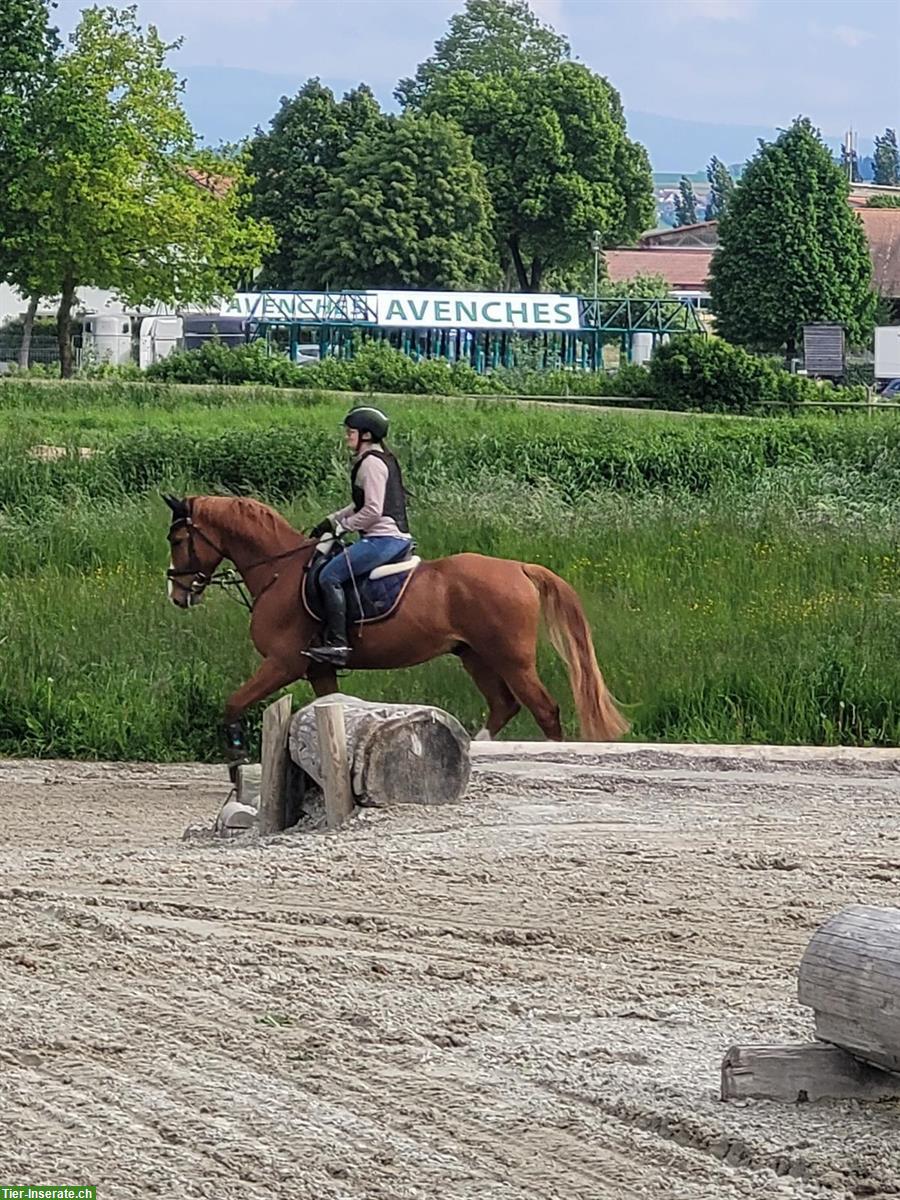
x=711 y=375
x=630 y=380
x=215 y=362
x=377 y=367
x=689 y=372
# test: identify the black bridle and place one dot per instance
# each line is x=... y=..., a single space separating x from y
x=224 y=579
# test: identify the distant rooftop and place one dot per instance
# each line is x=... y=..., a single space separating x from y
x=682 y=255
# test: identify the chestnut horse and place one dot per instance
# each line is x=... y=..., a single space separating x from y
x=484 y=610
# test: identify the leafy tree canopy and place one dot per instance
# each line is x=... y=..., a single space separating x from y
x=558 y=161
x=721 y=185
x=886 y=160
x=791 y=250
x=120 y=198
x=409 y=208
x=295 y=163
x=28 y=46
x=489 y=37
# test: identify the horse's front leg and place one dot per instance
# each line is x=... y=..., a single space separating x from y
x=271 y=675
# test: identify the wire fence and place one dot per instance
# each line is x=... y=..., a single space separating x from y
x=44 y=349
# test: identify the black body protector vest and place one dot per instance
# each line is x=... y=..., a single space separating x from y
x=394 y=493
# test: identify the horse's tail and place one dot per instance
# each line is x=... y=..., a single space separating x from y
x=570 y=634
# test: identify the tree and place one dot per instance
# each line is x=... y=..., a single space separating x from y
x=721 y=185
x=295 y=164
x=409 y=208
x=558 y=162
x=886 y=159
x=791 y=250
x=490 y=37
x=685 y=203
x=638 y=287
x=28 y=45
x=120 y=198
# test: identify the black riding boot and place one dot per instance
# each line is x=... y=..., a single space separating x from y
x=336 y=650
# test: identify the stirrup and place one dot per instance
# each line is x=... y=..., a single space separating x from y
x=337 y=656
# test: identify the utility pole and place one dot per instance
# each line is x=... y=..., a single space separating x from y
x=596 y=246
x=849 y=139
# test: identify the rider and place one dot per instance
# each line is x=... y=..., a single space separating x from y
x=377 y=512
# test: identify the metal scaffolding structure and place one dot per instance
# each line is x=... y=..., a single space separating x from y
x=338 y=323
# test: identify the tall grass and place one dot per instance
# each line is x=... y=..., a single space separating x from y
x=741 y=577
x=280 y=450
x=723 y=618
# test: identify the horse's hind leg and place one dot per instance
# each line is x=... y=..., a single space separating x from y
x=502 y=704
x=526 y=686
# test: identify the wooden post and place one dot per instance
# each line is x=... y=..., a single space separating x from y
x=336 y=785
x=275 y=760
x=811 y=1071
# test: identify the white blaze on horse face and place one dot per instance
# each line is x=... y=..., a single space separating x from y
x=170 y=586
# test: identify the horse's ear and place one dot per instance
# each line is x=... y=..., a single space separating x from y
x=179 y=507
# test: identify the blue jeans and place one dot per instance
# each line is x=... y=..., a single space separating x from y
x=363 y=556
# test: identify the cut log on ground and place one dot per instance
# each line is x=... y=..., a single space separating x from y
x=850 y=978
x=398 y=753
x=810 y=1071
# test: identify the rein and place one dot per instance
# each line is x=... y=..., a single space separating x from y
x=228 y=578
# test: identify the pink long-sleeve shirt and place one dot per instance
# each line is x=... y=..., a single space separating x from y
x=370 y=521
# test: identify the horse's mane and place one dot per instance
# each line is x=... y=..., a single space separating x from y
x=240 y=516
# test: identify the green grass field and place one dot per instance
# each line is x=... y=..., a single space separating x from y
x=741 y=577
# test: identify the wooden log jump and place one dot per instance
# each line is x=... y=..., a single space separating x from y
x=850 y=977
x=357 y=752
x=395 y=753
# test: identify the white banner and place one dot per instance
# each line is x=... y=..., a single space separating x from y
x=477 y=310
x=315 y=307
x=412 y=310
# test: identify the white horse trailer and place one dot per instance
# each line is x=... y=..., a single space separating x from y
x=160 y=336
x=106 y=337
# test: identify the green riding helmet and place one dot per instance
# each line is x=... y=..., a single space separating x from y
x=368 y=420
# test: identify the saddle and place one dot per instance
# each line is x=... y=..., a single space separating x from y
x=376 y=594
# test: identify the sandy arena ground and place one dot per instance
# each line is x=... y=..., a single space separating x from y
x=525 y=996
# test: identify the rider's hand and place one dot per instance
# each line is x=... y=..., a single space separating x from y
x=326 y=526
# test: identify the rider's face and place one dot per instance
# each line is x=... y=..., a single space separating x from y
x=353 y=440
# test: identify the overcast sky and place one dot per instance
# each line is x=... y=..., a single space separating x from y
x=741 y=62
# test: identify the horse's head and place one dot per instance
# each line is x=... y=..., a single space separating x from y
x=193 y=557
